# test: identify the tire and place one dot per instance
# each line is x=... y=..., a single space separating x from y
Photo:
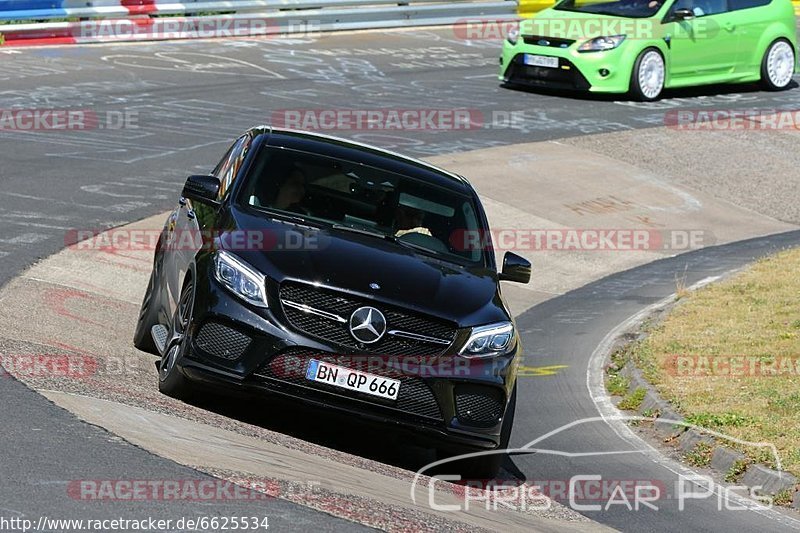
x=171 y=380
x=648 y=76
x=488 y=466
x=148 y=317
x=777 y=65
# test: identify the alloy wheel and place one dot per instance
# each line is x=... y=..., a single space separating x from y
x=651 y=74
x=780 y=64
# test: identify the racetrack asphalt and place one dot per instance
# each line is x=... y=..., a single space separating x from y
x=188 y=99
x=566 y=331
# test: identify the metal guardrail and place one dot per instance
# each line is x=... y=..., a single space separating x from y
x=132 y=20
x=37 y=21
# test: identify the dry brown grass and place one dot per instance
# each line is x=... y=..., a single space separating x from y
x=754 y=316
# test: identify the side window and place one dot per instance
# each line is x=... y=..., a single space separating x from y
x=222 y=165
x=702 y=8
x=734 y=5
x=229 y=166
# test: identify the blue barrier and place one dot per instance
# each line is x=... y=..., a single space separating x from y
x=37 y=14
x=24 y=5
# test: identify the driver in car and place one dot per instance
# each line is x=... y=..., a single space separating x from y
x=409 y=220
x=291 y=192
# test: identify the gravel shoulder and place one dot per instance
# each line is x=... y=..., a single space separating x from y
x=756 y=170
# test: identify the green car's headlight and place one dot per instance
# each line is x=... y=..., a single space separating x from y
x=241 y=279
x=488 y=341
x=599 y=44
x=513 y=35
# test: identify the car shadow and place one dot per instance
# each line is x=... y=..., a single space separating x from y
x=335 y=430
x=685 y=92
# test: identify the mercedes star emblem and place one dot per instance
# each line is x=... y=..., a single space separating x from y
x=367 y=325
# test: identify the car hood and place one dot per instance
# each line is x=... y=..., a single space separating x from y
x=579 y=26
x=467 y=296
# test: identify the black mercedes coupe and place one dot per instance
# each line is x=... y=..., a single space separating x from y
x=344 y=276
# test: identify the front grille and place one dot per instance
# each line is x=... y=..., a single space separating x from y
x=478 y=406
x=553 y=42
x=221 y=341
x=343 y=305
x=566 y=76
x=414 y=398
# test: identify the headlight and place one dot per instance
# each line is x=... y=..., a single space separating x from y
x=513 y=34
x=488 y=341
x=599 y=44
x=242 y=279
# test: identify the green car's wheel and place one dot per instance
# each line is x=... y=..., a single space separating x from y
x=777 y=67
x=647 y=78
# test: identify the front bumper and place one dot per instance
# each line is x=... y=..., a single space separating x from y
x=608 y=71
x=456 y=403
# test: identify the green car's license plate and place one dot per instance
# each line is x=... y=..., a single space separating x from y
x=540 y=61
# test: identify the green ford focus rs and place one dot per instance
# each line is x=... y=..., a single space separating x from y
x=644 y=46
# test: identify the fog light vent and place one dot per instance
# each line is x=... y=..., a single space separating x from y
x=221 y=341
x=479 y=406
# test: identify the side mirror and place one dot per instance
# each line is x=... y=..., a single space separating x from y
x=515 y=268
x=203 y=189
x=683 y=14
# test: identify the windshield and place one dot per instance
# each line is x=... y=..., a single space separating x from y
x=616 y=8
x=347 y=195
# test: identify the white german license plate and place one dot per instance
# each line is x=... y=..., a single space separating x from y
x=540 y=61
x=355 y=380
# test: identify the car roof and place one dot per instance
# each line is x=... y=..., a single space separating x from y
x=348 y=150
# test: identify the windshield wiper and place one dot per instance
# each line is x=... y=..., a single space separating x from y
x=297 y=220
x=426 y=250
x=364 y=231
x=430 y=252
x=391 y=238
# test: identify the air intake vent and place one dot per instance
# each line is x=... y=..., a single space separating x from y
x=221 y=341
x=479 y=406
x=552 y=42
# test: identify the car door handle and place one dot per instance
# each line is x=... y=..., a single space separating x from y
x=729 y=26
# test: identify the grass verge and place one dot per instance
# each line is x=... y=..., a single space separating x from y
x=728 y=357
